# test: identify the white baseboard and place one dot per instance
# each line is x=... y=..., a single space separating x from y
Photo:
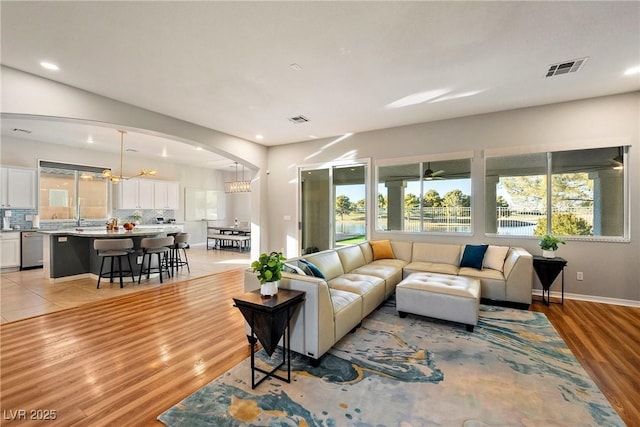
x=590 y=298
x=74 y=277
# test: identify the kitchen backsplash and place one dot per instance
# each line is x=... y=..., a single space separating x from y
x=18 y=218
x=148 y=215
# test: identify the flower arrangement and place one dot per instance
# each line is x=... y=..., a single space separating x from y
x=549 y=242
x=269 y=267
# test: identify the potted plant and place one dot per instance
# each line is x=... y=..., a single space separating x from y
x=549 y=245
x=136 y=217
x=269 y=269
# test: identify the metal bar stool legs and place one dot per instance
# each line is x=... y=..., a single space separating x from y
x=161 y=247
x=181 y=242
x=114 y=249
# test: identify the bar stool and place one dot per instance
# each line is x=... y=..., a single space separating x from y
x=159 y=246
x=181 y=241
x=114 y=248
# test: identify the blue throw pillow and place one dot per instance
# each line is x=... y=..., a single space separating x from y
x=473 y=256
x=315 y=271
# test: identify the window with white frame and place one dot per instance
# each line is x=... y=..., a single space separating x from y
x=425 y=196
x=565 y=193
x=72 y=192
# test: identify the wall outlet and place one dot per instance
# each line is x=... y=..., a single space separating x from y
x=579 y=275
x=139 y=260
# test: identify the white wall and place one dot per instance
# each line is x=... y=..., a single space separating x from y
x=611 y=270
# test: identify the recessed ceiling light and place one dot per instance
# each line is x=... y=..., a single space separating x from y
x=295 y=67
x=49 y=66
x=198 y=148
x=632 y=71
x=259 y=137
x=90 y=140
x=313 y=136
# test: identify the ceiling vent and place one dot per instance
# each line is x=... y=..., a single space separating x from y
x=298 y=119
x=21 y=130
x=566 y=67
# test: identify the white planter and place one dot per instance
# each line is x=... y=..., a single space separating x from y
x=548 y=254
x=269 y=289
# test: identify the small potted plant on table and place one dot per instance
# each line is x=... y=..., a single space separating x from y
x=549 y=245
x=269 y=269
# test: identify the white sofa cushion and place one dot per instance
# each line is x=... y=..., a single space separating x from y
x=328 y=262
x=439 y=253
x=494 y=257
x=351 y=258
x=388 y=269
x=370 y=288
x=347 y=311
x=432 y=267
x=367 y=252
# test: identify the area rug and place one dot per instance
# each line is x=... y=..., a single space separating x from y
x=513 y=370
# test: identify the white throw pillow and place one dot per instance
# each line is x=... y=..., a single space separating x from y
x=294 y=269
x=494 y=257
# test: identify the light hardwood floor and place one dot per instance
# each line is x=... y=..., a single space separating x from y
x=29 y=293
x=124 y=360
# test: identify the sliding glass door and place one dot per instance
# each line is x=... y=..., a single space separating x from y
x=333 y=208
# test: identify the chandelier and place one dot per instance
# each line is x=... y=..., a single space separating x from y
x=238 y=186
x=107 y=173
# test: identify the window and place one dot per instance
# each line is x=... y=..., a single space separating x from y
x=425 y=197
x=584 y=190
x=72 y=192
x=325 y=224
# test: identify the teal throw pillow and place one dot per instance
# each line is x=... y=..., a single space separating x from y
x=473 y=256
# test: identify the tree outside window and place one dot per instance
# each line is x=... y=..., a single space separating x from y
x=425 y=197
x=583 y=190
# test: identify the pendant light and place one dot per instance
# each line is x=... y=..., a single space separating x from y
x=238 y=186
x=108 y=173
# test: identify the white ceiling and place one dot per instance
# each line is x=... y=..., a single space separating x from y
x=227 y=65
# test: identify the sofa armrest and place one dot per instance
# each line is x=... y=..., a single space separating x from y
x=313 y=327
x=518 y=271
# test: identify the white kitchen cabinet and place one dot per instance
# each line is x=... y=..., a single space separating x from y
x=135 y=194
x=166 y=195
x=9 y=250
x=18 y=188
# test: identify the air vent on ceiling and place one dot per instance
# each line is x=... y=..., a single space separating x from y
x=298 y=119
x=566 y=67
x=21 y=130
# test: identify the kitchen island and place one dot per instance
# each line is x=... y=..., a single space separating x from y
x=69 y=253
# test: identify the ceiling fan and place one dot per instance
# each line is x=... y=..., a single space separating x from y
x=430 y=175
x=618 y=161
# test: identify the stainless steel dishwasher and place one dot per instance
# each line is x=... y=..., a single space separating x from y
x=31 y=250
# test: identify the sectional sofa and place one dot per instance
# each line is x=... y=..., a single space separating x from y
x=344 y=285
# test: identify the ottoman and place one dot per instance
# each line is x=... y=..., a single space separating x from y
x=441 y=296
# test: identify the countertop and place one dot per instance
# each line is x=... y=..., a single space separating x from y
x=121 y=232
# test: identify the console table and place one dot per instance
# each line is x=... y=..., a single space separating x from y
x=547 y=270
x=268 y=319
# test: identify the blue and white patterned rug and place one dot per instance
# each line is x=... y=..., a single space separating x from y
x=513 y=370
